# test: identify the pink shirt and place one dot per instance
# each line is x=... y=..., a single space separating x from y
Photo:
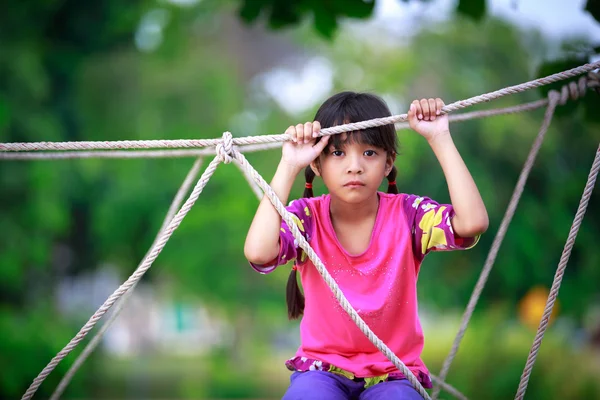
x=381 y=284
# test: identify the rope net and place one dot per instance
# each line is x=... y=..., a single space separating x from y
x=229 y=149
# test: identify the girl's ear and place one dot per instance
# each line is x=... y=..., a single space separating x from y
x=316 y=166
x=389 y=163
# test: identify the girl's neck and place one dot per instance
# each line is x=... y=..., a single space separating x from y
x=349 y=212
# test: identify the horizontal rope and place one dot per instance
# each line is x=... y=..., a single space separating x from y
x=187 y=143
x=127 y=154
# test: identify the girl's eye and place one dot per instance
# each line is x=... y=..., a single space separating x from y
x=370 y=153
x=337 y=153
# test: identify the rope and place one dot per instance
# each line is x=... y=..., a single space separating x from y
x=286 y=216
x=134 y=278
x=91 y=346
x=583 y=203
x=444 y=385
x=226 y=153
x=553 y=99
x=126 y=154
x=129 y=153
x=139 y=144
x=573 y=91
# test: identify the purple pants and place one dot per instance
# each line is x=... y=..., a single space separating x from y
x=321 y=385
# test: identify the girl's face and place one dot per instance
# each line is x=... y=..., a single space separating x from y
x=354 y=171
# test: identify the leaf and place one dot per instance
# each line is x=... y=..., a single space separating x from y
x=283 y=13
x=474 y=9
x=325 y=22
x=593 y=7
x=250 y=9
x=356 y=8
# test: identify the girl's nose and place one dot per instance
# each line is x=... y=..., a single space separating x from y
x=354 y=165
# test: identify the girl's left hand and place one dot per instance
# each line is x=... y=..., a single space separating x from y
x=425 y=117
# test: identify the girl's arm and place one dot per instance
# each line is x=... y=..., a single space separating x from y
x=471 y=217
x=262 y=241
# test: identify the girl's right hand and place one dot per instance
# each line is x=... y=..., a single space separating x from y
x=303 y=148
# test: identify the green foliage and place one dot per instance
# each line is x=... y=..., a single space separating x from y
x=72 y=73
x=493 y=355
x=475 y=9
x=283 y=13
x=593 y=7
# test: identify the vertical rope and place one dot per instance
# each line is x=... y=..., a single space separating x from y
x=491 y=258
x=135 y=277
x=564 y=259
x=91 y=346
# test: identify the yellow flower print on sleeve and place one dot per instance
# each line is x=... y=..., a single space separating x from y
x=307 y=211
x=432 y=235
x=298 y=223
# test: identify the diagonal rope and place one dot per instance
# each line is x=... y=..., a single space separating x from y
x=564 y=259
x=491 y=258
x=226 y=153
x=138 y=144
x=572 y=90
x=286 y=216
x=91 y=346
x=135 y=277
x=259 y=194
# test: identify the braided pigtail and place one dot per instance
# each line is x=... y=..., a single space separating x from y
x=392 y=188
x=293 y=296
x=309 y=176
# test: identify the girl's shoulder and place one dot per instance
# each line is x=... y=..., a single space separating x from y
x=303 y=205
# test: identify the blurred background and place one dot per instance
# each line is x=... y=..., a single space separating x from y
x=202 y=324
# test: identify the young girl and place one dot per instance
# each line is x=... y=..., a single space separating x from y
x=372 y=243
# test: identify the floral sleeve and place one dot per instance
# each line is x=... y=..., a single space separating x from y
x=431 y=226
x=288 y=246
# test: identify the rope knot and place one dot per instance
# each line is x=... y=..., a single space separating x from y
x=225 y=150
x=593 y=81
x=575 y=90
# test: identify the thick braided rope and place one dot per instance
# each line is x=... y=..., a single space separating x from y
x=564 y=259
x=444 y=385
x=491 y=258
x=125 y=154
x=135 y=277
x=91 y=346
x=139 y=144
x=253 y=185
x=286 y=216
x=243 y=149
x=571 y=91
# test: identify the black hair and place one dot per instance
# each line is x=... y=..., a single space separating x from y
x=344 y=108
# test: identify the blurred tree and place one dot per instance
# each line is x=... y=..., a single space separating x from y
x=73 y=72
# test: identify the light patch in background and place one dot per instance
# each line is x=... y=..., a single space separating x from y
x=183 y=3
x=298 y=90
x=554 y=18
x=245 y=123
x=149 y=34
